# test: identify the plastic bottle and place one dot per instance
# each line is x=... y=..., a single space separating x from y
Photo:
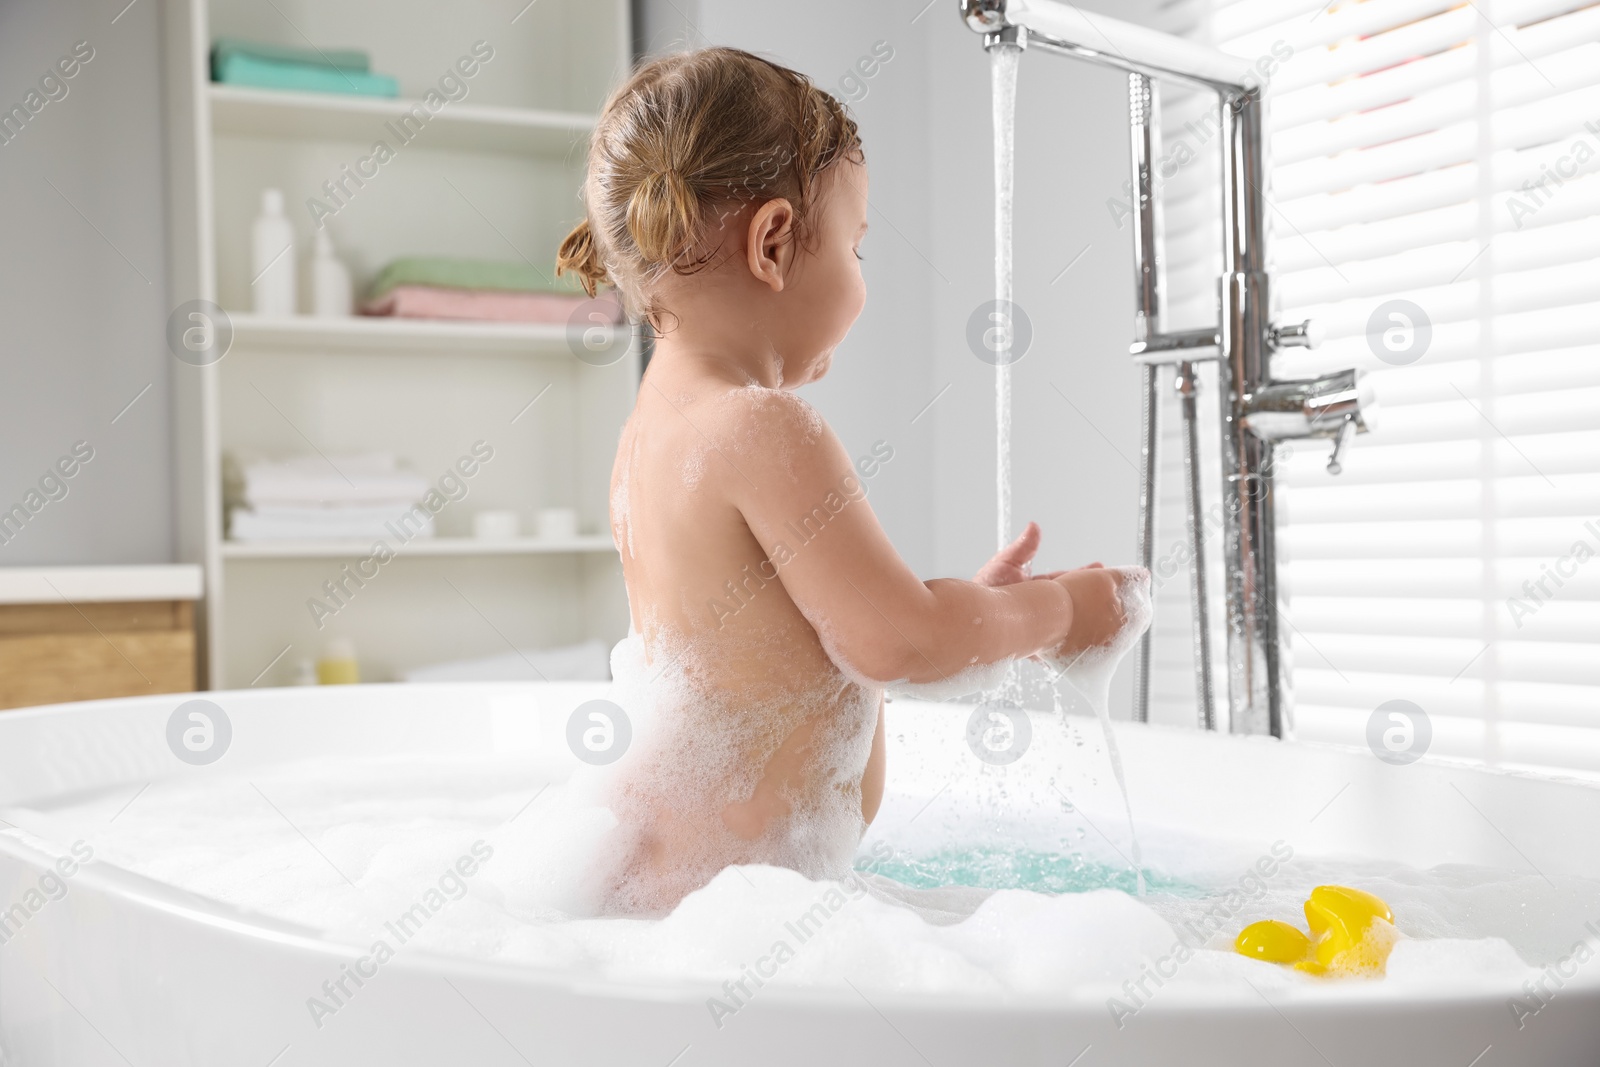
x=338 y=663
x=272 y=257
x=330 y=280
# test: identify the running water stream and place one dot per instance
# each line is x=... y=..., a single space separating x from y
x=1091 y=680
x=1003 y=74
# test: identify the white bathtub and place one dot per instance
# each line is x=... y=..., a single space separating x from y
x=121 y=970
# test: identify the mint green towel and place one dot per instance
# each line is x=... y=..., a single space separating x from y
x=442 y=273
x=239 y=69
x=349 y=60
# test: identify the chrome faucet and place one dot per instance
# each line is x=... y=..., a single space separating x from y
x=1257 y=410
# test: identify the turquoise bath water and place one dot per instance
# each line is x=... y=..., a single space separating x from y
x=1020 y=868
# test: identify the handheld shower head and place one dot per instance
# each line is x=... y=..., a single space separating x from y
x=984 y=16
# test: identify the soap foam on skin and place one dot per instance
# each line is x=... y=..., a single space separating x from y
x=978 y=678
x=658 y=794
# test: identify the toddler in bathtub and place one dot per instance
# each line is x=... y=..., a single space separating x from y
x=727 y=201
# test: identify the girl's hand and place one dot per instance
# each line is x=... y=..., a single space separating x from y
x=1010 y=565
x=1097 y=611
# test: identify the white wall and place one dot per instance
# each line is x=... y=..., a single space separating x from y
x=82 y=287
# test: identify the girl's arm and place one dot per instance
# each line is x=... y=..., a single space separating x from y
x=806 y=504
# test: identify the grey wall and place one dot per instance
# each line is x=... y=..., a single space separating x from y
x=82 y=286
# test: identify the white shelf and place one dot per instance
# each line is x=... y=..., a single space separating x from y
x=437 y=546
x=360 y=333
x=246 y=112
x=96 y=585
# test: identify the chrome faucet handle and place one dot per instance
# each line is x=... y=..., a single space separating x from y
x=1347 y=433
x=1308 y=334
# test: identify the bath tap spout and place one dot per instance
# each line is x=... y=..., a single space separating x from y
x=1006 y=37
x=1062 y=28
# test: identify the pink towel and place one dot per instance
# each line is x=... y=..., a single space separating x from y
x=485 y=305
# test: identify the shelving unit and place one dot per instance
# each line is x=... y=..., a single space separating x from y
x=493 y=174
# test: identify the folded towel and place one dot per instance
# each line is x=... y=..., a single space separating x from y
x=354 y=464
x=334 y=524
x=441 y=273
x=349 y=60
x=265 y=74
x=428 y=302
x=372 y=479
x=309 y=513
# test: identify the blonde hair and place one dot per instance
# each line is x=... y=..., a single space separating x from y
x=687 y=135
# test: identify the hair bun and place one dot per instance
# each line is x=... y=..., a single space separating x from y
x=663 y=216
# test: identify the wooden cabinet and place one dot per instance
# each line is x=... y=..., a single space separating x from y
x=69 y=634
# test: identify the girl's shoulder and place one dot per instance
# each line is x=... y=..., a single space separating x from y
x=775 y=411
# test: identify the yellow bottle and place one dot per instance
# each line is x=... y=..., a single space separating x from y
x=338 y=663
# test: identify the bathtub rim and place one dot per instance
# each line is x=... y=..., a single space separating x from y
x=139 y=892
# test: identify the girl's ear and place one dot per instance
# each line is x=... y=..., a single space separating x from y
x=768 y=248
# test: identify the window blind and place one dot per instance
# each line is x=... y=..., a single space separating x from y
x=1447 y=155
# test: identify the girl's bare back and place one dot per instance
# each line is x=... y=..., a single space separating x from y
x=787 y=750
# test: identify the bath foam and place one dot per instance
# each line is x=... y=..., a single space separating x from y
x=978 y=678
x=700 y=747
x=392 y=824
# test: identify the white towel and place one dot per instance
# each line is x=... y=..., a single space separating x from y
x=371 y=479
x=278 y=523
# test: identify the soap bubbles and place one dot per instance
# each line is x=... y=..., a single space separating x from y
x=199 y=332
x=999 y=332
x=1399 y=732
x=1399 y=332
x=199 y=732
x=599 y=732
x=999 y=732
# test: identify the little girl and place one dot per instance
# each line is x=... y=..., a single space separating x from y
x=727 y=200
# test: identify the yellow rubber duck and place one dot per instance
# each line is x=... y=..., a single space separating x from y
x=1352 y=933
